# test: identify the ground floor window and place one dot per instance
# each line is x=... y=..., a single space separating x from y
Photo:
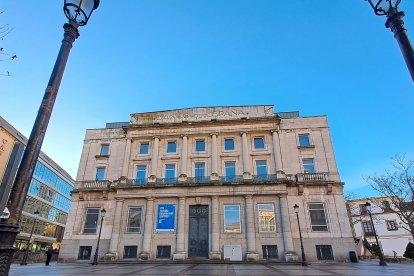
x=324 y=252
x=85 y=253
x=130 y=252
x=163 y=251
x=269 y=252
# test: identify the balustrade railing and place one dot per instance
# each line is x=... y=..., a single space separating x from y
x=312 y=177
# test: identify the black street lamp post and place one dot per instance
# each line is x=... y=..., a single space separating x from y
x=396 y=24
x=78 y=13
x=26 y=253
x=304 y=263
x=95 y=258
x=381 y=257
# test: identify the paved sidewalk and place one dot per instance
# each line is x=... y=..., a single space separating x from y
x=365 y=268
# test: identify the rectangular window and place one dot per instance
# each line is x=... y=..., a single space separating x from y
x=200 y=145
x=269 y=252
x=232 y=222
x=163 y=251
x=171 y=147
x=100 y=173
x=143 y=148
x=367 y=227
x=134 y=219
x=324 y=252
x=317 y=216
x=266 y=217
x=261 y=167
x=92 y=215
x=104 y=150
x=304 y=140
x=308 y=165
x=229 y=144
x=169 y=171
x=259 y=143
x=141 y=174
x=85 y=253
x=200 y=170
x=130 y=251
x=392 y=225
x=230 y=170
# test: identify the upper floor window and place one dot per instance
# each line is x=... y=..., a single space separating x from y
x=92 y=215
x=232 y=221
x=392 y=225
x=304 y=140
x=200 y=170
x=261 y=167
x=143 y=148
x=171 y=147
x=317 y=216
x=141 y=173
x=100 y=173
x=134 y=219
x=259 y=142
x=170 y=171
x=266 y=217
x=104 y=150
x=367 y=227
x=229 y=144
x=230 y=168
x=308 y=165
x=200 y=145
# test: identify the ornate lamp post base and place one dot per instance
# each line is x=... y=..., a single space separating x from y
x=8 y=233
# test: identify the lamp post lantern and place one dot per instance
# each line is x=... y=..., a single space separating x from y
x=304 y=263
x=78 y=13
x=395 y=22
x=381 y=257
x=26 y=253
x=95 y=258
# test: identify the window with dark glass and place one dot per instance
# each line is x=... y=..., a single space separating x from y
x=143 y=148
x=317 y=216
x=200 y=145
x=171 y=146
x=141 y=173
x=308 y=165
x=324 y=252
x=304 y=140
x=367 y=227
x=163 y=251
x=104 y=150
x=232 y=223
x=200 y=170
x=85 y=253
x=170 y=171
x=259 y=142
x=392 y=225
x=229 y=144
x=261 y=167
x=134 y=219
x=100 y=173
x=92 y=215
x=269 y=252
x=130 y=251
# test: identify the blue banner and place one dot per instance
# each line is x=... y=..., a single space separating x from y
x=166 y=217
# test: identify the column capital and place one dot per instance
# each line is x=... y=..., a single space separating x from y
x=213 y=134
x=282 y=195
x=119 y=200
x=149 y=198
x=182 y=198
x=156 y=137
x=184 y=135
x=243 y=132
x=249 y=197
x=215 y=197
x=273 y=131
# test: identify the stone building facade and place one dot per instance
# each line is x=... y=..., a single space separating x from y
x=213 y=183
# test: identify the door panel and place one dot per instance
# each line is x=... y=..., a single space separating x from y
x=198 y=245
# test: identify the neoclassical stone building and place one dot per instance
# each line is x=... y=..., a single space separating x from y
x=210 y=182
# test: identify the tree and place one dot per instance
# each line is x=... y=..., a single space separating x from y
x=409 y=251
x=4 y=54
x=397 y=185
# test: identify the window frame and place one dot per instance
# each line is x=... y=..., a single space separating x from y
x=104 y=173
x=225 y=226
x=225 y=144
x=125 y=256
x=128 y=228
x=85 y=247
x=203 y=167
x=309 y=144
x=86 y=219
x=137 y=173
x=255 y=145
x=324 y=216
x=305 y=170
x=319 y=254
x=392 y=225
x=196 y=145
x=104 y=146
x=167 y=148
x=225 y=169
x=265 y=165
x=259 y=218
x=367 y=227
x=165 y=170
x=140 y=147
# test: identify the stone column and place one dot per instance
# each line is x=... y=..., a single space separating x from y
x=148 y=228
x=180 y=245
x=154 y=160
x=251 y=254
x=127 y=156
x=184 y=158
x=285 y=225
x=214 y=159
x=116 y=227
x=247 y=175
x=277 y=154
x=215 y=253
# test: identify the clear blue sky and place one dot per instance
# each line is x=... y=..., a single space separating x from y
x=325 y=57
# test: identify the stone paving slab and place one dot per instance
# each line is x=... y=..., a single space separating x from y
x=366 y=268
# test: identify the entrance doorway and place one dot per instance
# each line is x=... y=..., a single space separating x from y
x=198 y=232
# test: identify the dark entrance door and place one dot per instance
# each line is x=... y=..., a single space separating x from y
x=198 y=234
